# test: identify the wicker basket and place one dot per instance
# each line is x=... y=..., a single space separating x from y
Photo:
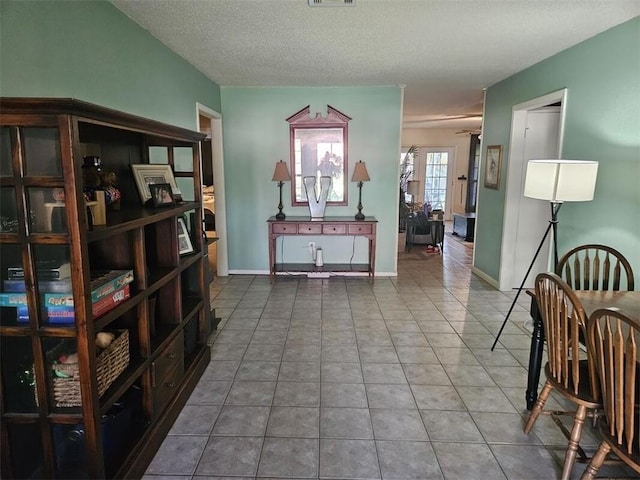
x=110 y=363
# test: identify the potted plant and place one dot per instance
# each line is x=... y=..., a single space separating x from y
x=406 y=172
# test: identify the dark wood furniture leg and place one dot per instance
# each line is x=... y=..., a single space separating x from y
x=535 y=355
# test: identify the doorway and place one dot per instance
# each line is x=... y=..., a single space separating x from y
x=536 y=133
x=210 y=123
x=432 y=168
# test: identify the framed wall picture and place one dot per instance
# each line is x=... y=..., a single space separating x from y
x=161 y=195
x=184 y=240
x=150 y=174
x=493 y=167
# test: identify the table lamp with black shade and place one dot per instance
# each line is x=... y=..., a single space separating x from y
x=281 y=175
x=556 y=181
x=360 y=175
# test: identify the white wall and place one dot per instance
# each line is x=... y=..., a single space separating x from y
x=445 y=137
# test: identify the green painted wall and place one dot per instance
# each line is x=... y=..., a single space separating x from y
x=602 y=75
x=91 y=51
x=256 y=136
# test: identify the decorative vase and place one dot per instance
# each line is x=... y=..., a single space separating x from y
x=317 y=204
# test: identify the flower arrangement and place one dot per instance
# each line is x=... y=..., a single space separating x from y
x=406 y=173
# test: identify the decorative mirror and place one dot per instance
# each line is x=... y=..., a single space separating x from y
x=319 y=149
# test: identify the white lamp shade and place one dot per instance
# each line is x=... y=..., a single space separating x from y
x=561 y=180
x=413 y=187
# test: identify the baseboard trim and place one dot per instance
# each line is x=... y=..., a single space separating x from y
x=304 y=274
x=483 y=276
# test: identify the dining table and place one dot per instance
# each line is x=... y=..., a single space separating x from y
x=591 y=300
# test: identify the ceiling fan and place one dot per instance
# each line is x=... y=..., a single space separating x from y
x=469 y=131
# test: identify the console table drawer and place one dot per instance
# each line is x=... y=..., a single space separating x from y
x=285 y=228
x=334 y=229
x=360 y=229
x=309 y=228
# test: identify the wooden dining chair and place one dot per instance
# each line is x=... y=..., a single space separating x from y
x=595 y=267
x=614 y=338
x=569 y=370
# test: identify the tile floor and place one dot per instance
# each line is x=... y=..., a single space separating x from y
x=342 y=379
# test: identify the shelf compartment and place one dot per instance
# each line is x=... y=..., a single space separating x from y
x=135 y=217
x=161 y=243
x=5 y=152
x=25 y=451
x=117 y=425
x=168 y=305
x=110 y=363
x=8 y=209
x=18 y=375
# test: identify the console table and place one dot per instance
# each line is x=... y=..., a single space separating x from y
x=464 y=225
x=342 y=226
x=436 y=230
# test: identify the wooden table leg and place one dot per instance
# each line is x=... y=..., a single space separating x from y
x=535 y=355
x=272 y=256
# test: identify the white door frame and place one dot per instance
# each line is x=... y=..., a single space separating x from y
x=222 y=259
x=514 y=187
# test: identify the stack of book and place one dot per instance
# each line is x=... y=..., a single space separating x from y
x=108 y=289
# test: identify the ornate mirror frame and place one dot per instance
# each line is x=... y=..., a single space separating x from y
x=318 y=147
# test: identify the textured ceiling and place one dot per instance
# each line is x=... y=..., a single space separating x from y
x=444 y=51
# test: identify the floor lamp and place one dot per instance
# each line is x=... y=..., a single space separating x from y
x=556 y=181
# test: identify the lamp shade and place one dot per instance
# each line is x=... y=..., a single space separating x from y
x=413 y=187
x=281 y=174
x=360 y=173
x=561 y=180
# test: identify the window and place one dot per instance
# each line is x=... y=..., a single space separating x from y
x=437 y=163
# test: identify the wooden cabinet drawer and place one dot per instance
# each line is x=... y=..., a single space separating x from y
x=309 y=228
x=166 y=371
x=360 y=229
x=171 y=356
x=285 y=228
x=165 y=389
x=334 y=229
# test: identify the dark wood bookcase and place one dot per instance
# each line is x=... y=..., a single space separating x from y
x=115 y=433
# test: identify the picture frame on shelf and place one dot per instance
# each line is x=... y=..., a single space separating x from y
x=161 y=195
x=184 y=240
x=493 y=167
x=150 y=174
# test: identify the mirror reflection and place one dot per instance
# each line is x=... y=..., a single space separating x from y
x=319 y=149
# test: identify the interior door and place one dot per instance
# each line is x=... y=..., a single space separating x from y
x=541 y=141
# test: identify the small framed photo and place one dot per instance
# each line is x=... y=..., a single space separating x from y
x=493 y=167
x=161 y=195
x=184 y=240
x=151 y=174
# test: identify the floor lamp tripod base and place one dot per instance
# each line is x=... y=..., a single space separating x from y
x=553 y=224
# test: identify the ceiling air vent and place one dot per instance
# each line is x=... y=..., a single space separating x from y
x=331 y=3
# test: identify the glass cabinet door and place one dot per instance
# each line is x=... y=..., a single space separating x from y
x=34 y=271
